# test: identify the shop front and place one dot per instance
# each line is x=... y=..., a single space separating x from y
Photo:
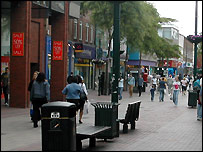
x=84 y=54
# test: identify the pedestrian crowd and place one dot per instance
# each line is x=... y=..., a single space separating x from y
x=175 y=85
x=76 y=91
x=39 y=88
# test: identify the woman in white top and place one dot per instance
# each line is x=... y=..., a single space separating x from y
x=82 y=102
x=184 y=86
x=176 y=89
x=120 y=86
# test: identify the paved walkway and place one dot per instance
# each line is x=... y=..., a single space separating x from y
x=162 y=126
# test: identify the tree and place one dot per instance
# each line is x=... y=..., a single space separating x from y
x=139 y=22
x=102 y=17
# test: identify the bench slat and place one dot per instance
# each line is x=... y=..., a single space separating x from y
x=89 y=131
x=132 y=115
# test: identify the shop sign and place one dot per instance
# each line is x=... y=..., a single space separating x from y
x=84 y=51
x=57 y=50
x=18 y=44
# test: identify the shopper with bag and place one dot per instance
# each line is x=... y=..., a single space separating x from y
x=176 y=90
x=83 y=96
x=34 y=77
x=39 y=95
x=72 y=92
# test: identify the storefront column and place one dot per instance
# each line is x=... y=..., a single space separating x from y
x=59 y=32
x=19 y=76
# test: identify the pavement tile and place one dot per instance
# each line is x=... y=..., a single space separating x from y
x=162 y=126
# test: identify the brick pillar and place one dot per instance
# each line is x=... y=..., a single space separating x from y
x=19 y=74
x=59 y=32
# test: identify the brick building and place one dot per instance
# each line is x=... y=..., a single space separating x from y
x=25 y=25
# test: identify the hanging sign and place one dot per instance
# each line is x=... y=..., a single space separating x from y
x=57 y=50
x=18 y=44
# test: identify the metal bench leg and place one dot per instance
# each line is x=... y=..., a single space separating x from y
x=78 y=145
x=125 y=128
x=92 y=142
x=132 y=125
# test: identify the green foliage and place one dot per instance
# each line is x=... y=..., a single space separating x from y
x=139 y=23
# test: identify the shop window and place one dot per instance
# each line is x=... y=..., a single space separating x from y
x=87 y=31
x=75 y=28
x=91 y=35
x=80 y=38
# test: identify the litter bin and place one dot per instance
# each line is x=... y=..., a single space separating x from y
x=106 y=114
x=192 y=98
x=59 y=126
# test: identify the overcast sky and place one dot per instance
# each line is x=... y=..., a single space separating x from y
x=184 y=12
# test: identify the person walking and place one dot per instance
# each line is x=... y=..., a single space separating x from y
x=154 y=81
x=184 y=86
x=131 y=83
x=199 y=105
x=140 y=84
x=152 y=92
x=72 y=92
x=120 y=87
x=5 y=85
x=162 y=87
x=82 y=100
x=34 y=77
x=39 y=95
x=69 y=79
x=170 y=85
x=176 y=90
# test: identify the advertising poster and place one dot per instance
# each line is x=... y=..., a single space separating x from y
x=18 y=44
x=57 y=50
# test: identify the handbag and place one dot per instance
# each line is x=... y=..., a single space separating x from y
x=83 y=95
x=31 y=110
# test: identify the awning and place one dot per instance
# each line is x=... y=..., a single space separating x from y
x=144 y=63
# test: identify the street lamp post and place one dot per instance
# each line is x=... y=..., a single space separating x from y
x=116 y=52
x=195 y=53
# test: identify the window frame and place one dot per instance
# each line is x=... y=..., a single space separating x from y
x=80 y=37
x=75 y=29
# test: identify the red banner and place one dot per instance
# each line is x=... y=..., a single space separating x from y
x=57 y=50
x=18 y=44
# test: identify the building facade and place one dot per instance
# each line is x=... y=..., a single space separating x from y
x=25 y=26
x=82 y=48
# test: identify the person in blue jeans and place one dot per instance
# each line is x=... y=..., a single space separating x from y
x=199 y=106
x=140 y=84
x=162 y=86
x=176 y=90
x=152 y=93
x=120 y=86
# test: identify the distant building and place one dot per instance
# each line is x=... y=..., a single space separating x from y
x=183 y=64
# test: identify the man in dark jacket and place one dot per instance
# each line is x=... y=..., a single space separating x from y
x=70 y=77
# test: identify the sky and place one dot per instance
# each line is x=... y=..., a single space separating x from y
x=184 y=12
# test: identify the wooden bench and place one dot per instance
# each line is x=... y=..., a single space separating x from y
x=91 y=132
x=132 y=115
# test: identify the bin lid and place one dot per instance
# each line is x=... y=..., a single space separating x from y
x=59 y=104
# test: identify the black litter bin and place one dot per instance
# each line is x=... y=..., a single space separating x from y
x=59 y=126
x=192 y=98
x=106 y=114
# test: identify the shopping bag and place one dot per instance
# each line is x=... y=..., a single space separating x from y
x=31 y=110
x=86 y=107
